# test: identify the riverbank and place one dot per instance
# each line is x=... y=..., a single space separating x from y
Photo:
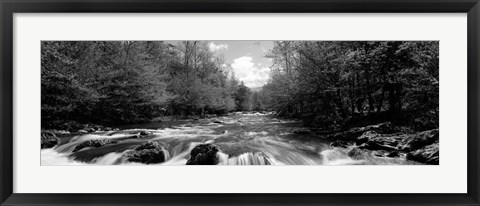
x=386 y=140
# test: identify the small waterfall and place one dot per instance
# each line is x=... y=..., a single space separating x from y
x=244 y=159
x=67 y=148
x=179 y=158
x=110 y=159
x=338 y=156
x=53 y=157
x=166 y=154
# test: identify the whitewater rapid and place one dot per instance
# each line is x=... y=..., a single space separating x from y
x=243 y=139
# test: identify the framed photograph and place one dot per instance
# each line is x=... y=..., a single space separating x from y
x=268 y=102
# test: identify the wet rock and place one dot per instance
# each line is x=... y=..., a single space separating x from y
x=366 y=137
x=356 y=153
x=420 y=140
x=383 y=153
x=339 y=143
x=144 y=133
x=372 y=145
x=93 y=143
x=353 y=133
x=374 y=141
x=393 y=154
x=48 y=140
x=90 y=130
x=204 y=154
x=301 y=132
x=148 y=153
x=379 y=153
x=428 y=154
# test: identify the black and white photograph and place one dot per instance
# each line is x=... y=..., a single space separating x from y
x=239 y=102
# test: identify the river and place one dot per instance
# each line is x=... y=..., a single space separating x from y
x=243 y=139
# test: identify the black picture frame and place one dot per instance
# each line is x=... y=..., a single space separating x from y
x=9 y=7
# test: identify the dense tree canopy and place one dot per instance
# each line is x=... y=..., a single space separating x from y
x=329 y=83
x=325 y=83
x=114 y=82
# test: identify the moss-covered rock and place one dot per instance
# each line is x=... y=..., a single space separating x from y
x=204 y=154
x=148 y=153
x=428 y=154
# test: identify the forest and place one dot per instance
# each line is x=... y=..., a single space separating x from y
x=120 y=82
x=182 y=103
x=345 y=84
x=326 y=84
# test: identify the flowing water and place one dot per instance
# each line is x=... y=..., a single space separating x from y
x=243 y=139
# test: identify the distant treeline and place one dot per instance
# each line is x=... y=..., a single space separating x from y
x=118 y=82
x=355 y=82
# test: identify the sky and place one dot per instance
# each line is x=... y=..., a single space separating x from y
x=246 y=58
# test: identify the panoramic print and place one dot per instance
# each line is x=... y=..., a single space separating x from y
x=162 y=103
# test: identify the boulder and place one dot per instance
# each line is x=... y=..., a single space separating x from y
x=374 y=141
x=48 y=140
x=383 y=153
x=93 y=143
x=148 y=153
x=356 y=153
x=353 y=133
x=339 y=143
x=428 y=154
x=420 y=140
x=379 y=153
x=204 y=154
x=366 y=137
x=144 y=133
x=393 y=154
x=372 y=145
x=90 y=129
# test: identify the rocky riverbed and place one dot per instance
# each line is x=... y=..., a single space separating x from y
x=238 y=139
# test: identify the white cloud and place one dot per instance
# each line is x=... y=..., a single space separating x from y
x=252 y=75
x=216 y=47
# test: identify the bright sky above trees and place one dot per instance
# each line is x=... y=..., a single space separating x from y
x=246 y=58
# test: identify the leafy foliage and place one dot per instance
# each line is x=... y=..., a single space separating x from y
x=117 y=82
x=340 y=82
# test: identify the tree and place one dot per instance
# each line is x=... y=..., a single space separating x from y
x=331 y=82
x=242 y=98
